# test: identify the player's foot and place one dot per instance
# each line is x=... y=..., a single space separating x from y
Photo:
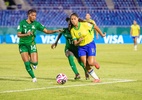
x=97 y=66
x=77 y=76
x=34 y=80
x=86 y=76
x=34 y=67
x=96 y=80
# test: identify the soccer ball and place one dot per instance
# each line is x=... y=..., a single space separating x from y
x=61 y=78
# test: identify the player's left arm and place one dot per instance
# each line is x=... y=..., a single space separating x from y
x=42 y=28
x=139 y=30
x=51 y=31
x=99 y=31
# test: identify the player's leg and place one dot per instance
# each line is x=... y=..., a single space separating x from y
x=33 y=56
x=70 y=57
x=75 y=52
x=34 y=60
x=90 y=59
x=25 y=57
x=85 y=70
x=135 y=43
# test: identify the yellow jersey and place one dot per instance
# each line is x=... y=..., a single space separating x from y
x=92 y=21
x=84 y=30
x=135 y=30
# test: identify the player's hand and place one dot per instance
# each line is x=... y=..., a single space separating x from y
x=81 y=39
x=53 y=45
x=29 y=33
x=103 y=35
x=60 y=30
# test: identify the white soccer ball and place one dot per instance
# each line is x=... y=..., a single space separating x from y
x=61 y=78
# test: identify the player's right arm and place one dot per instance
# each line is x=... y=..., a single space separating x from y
x=19 y=30
x=131 y=31
x=56 y=42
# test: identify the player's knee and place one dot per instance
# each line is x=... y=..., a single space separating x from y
x=34 y=63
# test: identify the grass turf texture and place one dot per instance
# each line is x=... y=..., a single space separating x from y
x=118 y=61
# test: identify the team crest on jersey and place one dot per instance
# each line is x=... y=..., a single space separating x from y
x=79 y=33
x=33 y=27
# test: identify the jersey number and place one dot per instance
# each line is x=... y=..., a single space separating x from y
x=70 y=41
x=33 y=47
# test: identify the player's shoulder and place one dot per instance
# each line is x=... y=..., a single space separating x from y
x=22 y=21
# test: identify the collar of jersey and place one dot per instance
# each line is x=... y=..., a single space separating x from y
x=78 y=26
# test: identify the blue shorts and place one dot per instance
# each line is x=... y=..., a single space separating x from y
x=87 y=50
x=134 y=37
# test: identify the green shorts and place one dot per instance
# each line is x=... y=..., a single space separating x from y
x=74 y=51
x=27 y=48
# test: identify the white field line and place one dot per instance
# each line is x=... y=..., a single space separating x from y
x=66 y=86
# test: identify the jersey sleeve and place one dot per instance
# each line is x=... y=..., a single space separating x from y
x=19 y=27
x=89 y=26
x=40 y=27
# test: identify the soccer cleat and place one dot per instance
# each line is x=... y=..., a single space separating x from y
x=97 y=66
x=86 y=76
x=34 y=80
x=77 y=76
x=96 y=80
x=34 y=67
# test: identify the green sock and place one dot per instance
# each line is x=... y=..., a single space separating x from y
x=72 y=64
x=82 y=65
x=34 y=63
x=29 y=69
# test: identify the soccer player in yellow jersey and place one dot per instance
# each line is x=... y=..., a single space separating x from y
x=88 y=19
x=81 y=32
x=135 y=32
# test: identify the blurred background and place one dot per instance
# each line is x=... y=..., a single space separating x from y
x=113 y=17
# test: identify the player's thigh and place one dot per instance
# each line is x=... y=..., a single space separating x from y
x=34 y=57
x=25 y=56
x=68 y=53
x=84 y=60
x=33 y=53
x=91 y=60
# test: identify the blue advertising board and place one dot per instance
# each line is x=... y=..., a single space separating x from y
x=49 y=39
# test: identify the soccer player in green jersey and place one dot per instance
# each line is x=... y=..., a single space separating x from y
x=27 y=45
x=71 y=51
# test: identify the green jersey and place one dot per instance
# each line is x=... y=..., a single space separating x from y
x=25 y=27
x=68 y=37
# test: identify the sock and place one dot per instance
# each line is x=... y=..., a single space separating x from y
x=82 y=65
x=34 y=63
x=29 y=69
x=72 y=64
x=93 y=74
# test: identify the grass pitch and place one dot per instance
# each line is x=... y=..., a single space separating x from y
x=120 y=73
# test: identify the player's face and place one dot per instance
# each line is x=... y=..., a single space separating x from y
x=32 y=16
x=74 y=20
x=134 y=22
x=88 y=16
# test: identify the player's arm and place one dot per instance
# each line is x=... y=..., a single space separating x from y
x=99 y=31
x=51 y=31
x=77 y=42
x=19 y=30
x=20 y=35
x=139 y=30
x=56 y=42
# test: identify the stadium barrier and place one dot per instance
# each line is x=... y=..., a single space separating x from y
x=115 y=35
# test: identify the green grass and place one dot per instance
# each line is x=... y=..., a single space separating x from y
x=118 y=61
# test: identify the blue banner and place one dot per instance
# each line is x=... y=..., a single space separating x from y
x=1 y=39
x=49 y=39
